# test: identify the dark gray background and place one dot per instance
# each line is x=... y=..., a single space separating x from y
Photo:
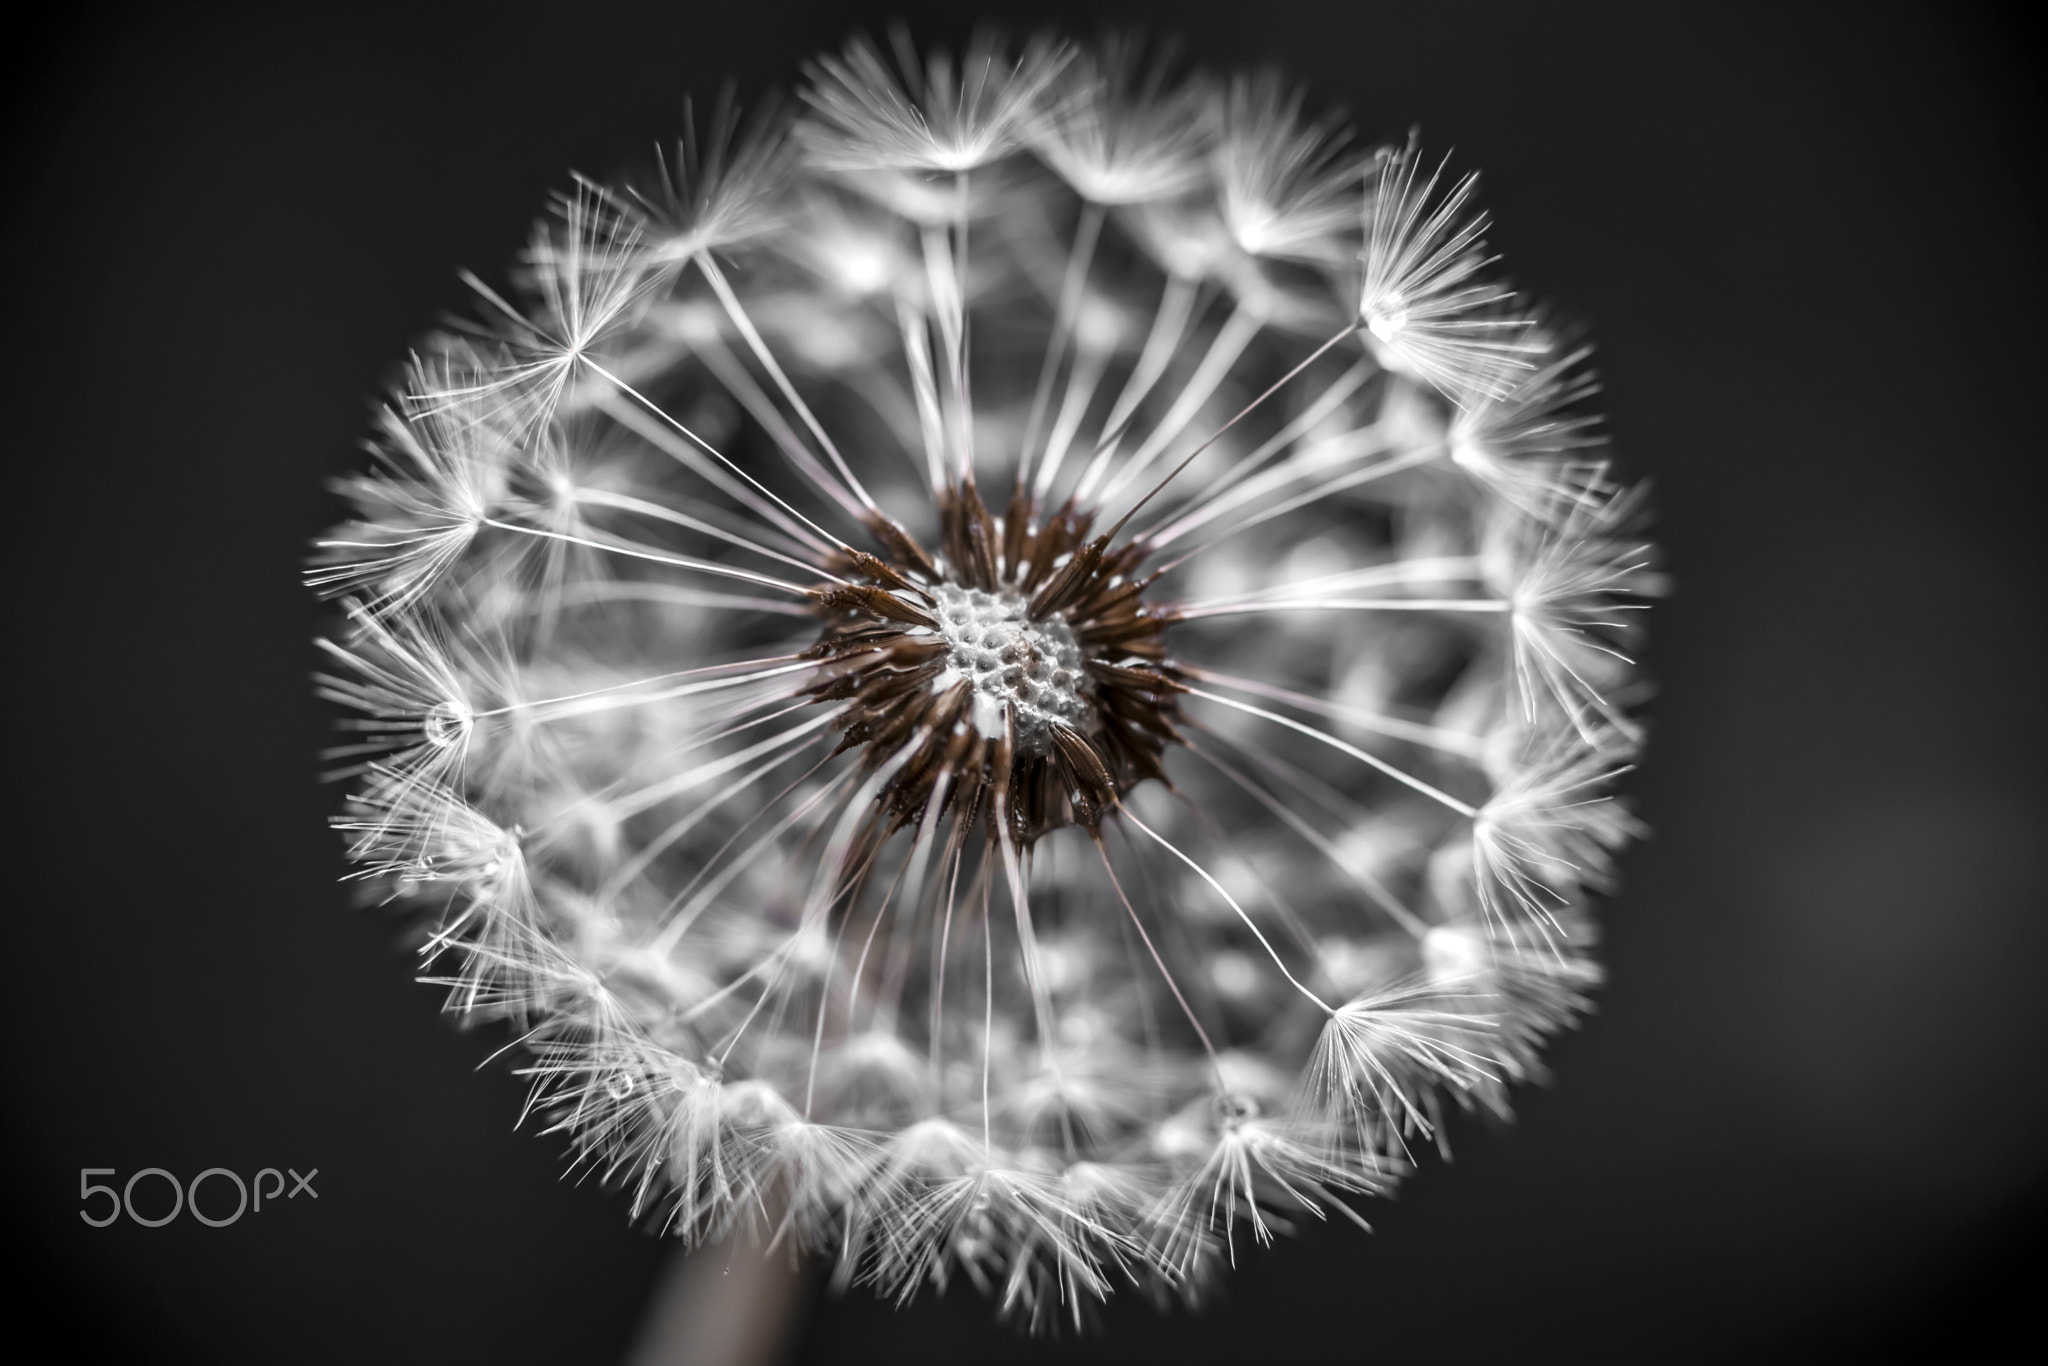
x=1809 y=1115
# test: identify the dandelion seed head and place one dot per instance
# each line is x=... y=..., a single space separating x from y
x=987 y=704
x=1027 y=674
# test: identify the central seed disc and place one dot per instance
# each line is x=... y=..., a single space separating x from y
x=1030 y=668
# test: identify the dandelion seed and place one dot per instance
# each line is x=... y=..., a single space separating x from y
x=930 y=115
x=1535 y=445
x=1427 y=302
x=1288 y=188
x=978 y=712
x=1121 y=131
x=719 y=190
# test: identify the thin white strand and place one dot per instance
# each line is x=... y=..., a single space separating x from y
x=1305 y=463
x=1399 y=775
x=636 y=418
x=1393 y=727
x=917 y=355
x=680 y=920
x=1239 y=330
x=1171 y=985
x=669 y=419
x=1080 y=255
x=655 y=793
x=1275 y=387
x=709 y=269
x=612 y=688
x=624 y=503
x=1169 y=324
x=1082 y=381
x=661 y=843
x=944 y=287
x=1370 y=885
x=1027 y=943
x=1249 y=924
x=1238 y=609
x=631 y=551
x=1313 y=415
x=674 y=595
x=1320 y=492
x=733 y=375
x=1433 y=569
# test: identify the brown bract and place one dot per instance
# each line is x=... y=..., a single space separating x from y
x=972 y=742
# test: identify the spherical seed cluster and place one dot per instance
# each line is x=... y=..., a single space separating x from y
x=1025 y=673
x=1015 y=676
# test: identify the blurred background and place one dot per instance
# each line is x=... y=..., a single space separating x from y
x=1809 y=1117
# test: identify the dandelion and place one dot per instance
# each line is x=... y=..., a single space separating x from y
x=1015 y=674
